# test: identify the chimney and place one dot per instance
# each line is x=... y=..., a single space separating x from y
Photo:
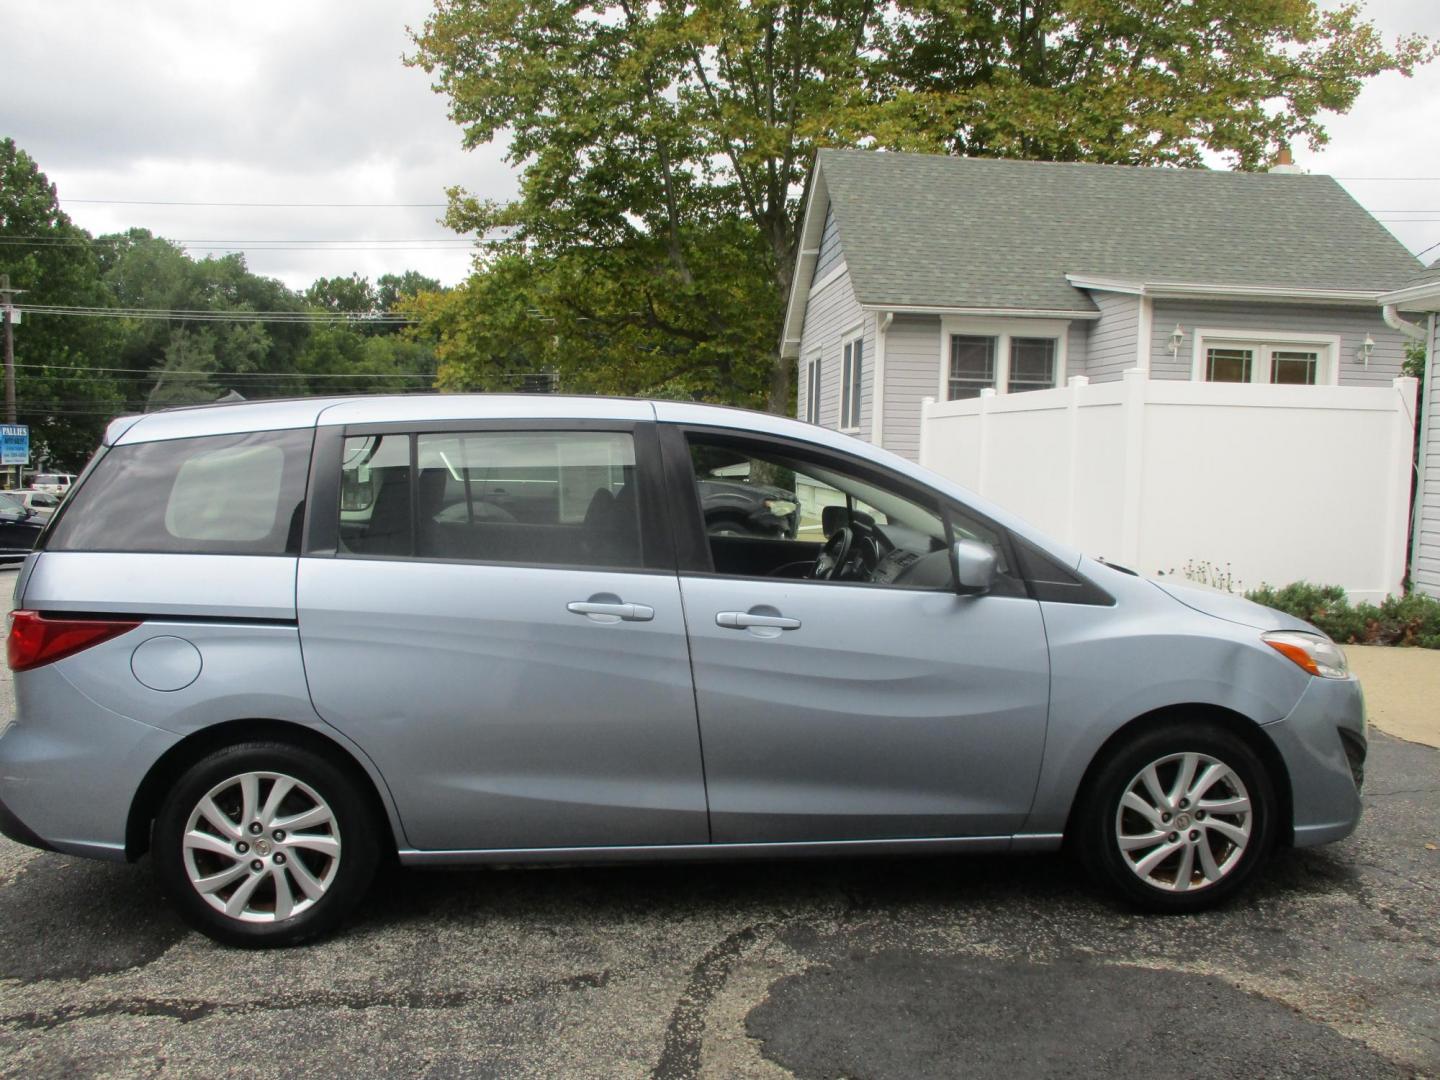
x=1285 y=163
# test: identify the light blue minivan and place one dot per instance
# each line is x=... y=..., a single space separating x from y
x=271 y=643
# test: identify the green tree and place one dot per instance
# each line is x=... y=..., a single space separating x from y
x=343 y=295
x=146 y=271
x=653 y=136
x=392 y=291
x=60 y=392
x=341 y=360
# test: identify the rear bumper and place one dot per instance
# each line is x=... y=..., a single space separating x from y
x=17 y=830
x=1324 y=779
x=69 y=768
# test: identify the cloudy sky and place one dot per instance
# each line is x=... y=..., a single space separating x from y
x=136 y=108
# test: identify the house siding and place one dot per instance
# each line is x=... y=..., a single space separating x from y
x=1350 y=324
x=912 y=373
x=831 y=313
x=1425 y=554
x=831 y=253
x=1077 y=349
x=1111 y=347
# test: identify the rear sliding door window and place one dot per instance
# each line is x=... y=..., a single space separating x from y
x=218 y=495
x=545 y=498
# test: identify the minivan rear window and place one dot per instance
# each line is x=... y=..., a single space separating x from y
x=218 y=494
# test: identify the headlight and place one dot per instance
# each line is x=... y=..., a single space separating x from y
x=780 y=507
x=1317 y=655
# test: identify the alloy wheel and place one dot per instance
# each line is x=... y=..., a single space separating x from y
x=261 y=847
x=1184 y=822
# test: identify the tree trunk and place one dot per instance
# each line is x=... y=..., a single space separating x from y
x=784 y=244
x=778 y=401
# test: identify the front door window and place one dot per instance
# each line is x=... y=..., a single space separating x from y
x=769 y=514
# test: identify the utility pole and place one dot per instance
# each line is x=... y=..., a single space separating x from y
x=7 y=297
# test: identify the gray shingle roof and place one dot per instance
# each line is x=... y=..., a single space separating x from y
x=938 y=231
x=1425 y=277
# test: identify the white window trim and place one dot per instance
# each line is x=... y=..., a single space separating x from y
x=855 y=333
x=1003 y=330
x=1328 y=345
x=813 y=364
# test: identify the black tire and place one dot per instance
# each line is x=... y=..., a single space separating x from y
x=351 y=821
x=730 y=525
x=1098 y=823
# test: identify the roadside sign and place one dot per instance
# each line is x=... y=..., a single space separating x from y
x=14 y=444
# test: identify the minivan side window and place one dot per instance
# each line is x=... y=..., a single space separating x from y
x=773 y=514
x=217 y=494
x=556 y=498
x=375 y=496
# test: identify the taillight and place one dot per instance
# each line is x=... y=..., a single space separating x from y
x=36 y=639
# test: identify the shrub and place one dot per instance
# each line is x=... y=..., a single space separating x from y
x=1397 y=620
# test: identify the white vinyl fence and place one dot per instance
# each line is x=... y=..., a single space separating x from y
x=1270 y=484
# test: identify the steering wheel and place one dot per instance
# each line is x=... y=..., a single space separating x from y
x=834 y=555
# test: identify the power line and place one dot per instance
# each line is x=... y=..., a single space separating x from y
x=41 y=238
x=224 y=375
x=292 y=205
x=309 y=318
x=437 y=245
x=162 y=311
x=97 y=407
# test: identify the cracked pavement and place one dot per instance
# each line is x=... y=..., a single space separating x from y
x=982 y=967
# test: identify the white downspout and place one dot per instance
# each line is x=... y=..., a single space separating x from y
x=877 y=393
x=1391 y=314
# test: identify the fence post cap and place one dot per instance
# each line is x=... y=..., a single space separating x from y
x=1078 y=380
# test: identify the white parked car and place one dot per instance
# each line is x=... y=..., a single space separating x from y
x=52 y=483
x=42 y=502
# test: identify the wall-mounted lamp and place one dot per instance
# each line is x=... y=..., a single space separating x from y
x=1177 y=338
x=1366 y=348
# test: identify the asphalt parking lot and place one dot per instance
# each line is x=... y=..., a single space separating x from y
x=981 y=967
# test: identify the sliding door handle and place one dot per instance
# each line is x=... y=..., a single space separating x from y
x=600 y=611
x=745 y=620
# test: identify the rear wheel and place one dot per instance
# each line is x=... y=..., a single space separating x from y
x=1178 y=820
x=264 y=844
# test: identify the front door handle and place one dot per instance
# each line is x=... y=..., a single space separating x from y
x=744 y=620
x=604 y=611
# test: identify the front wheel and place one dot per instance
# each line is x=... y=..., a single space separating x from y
x=265 y=844
x=1178 y=820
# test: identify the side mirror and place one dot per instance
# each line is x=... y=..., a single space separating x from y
x=975 y=566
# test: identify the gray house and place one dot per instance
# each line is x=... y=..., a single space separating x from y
x=939 y=277
x=1422 y=294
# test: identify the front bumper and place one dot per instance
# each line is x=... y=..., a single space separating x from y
x=1324 y=778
